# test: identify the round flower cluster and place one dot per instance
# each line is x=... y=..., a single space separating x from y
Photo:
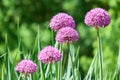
x=49 y=55
x=67 y=34
x=61 y=20
x=26 y=67
x=97 y=17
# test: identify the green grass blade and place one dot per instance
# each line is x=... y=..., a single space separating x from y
x=90 y=71
x=72 y=57
x=41 y=68
x=2 y=73
x=2 y=55
x=68 y=69
x=118 y=62
x=7 y=60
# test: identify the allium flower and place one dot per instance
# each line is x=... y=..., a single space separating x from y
x=61 y=20
x=97 y=17
x=49 y=55
x=66 y=34
x=26 y=67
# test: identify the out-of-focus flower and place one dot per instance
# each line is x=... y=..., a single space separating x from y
x=97 y=17
x=61 y=20
x=66 y=35
x=49 y=55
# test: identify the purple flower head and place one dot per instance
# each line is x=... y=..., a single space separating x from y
x=26 y=67
x=61 y=20
x=97 y=17
x=67 y=34
x=49 y=55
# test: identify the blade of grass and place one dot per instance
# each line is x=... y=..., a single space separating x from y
x=118 y=62
x=2 y=55
x=77 y=63
x=19 y=38
x=72 y=51
x=96 y=67
x=41 y=70
x=90 y=71
x=68 y=67
x=52 y=37
x=77 y=56
x=2 y=73
x=47 y=70
x=7 y=59
x=117 y=70
x=71 y=47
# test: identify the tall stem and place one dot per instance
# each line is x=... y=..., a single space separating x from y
x=50 y=71
x=60 y=66
x=19 y=77
x=100 y=55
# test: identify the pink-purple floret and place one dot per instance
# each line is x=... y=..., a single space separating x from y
x=97 y=17
x=61 y=20
x=26 y=67
x=66 y=35
x=49 y=55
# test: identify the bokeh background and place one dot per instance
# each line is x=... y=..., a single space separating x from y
x=28 y=14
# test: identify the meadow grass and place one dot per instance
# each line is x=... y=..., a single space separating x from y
x=66 y=69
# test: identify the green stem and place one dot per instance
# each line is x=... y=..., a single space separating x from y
x=60 y=66
x=50 y=71
x=100 y=55
x=19 y=77
x=59 y=71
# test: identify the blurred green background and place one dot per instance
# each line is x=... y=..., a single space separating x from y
x=28 y=14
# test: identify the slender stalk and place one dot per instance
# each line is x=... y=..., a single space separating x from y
x=59 y=70
x=60 y=66
x=19 y=77
x=29 y=77
x=100 y=55
x=47 y=70
x=50 y=71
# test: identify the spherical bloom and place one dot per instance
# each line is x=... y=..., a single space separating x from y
x=97 y=17
x=61 y=20
x=26 y=67
x=49 y=55
x=66 y=34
